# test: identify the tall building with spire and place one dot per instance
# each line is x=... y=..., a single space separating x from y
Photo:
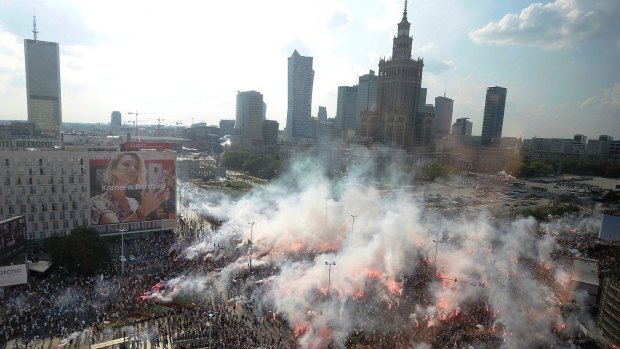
x=398 y=90
x=300 y=82
x=43 y=85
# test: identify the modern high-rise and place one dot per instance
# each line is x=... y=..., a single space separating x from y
x=116 y=120
x=300 y=82
x=250 y=115
x=422 y=98
x=443 y=115
x=43 y=86
x=462 y=127
x=346 y=109
x=398 y=94
x=322 y=114
x=493 y=119
x=270 y=132
x=367 y=92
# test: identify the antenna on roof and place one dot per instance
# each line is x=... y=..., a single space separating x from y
x=34 y=27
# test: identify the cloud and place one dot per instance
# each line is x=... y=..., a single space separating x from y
x=439 y=66
x=338 y=20
x=556 y=25
x=610 y=98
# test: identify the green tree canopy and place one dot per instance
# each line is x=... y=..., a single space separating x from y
x=83 y=250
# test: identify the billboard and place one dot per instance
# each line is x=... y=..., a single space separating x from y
x=128 y=146
x=132 y=187
x=610 y=229
x=13 y=275
x=12 y=238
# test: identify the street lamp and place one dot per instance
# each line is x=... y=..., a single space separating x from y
x=251 y=248
x=353 y=223
x=122 y=231
x=329 y=275
x=210 y=327
x=327 y=198
x=435 y=261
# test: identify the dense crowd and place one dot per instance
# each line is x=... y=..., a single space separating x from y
x=108 y=306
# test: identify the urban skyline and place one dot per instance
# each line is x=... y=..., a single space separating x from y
x=558 y=86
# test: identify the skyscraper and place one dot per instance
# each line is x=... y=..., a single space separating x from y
x=250 y=117
x=443 y=115
x=322 y=114
x=346 y=109
x=398 y=90
x=43 y=86
x=493 y=119
x=367 y=92
x=116 y=120
x=300 y=82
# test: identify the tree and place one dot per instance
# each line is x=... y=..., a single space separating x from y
x=82 y=251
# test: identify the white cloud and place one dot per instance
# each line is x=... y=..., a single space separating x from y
x=555 y=25
x=609 y=99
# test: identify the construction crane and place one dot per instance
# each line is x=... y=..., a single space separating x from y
x=136 y=113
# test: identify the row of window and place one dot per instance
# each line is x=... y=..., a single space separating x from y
x=52 y=208
x=41 y=199
x=43 y=190
x=63 y=171
x=39 y=162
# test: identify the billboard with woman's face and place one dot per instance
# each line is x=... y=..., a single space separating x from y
x=132 y=187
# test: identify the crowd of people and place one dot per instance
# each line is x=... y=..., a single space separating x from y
x=99 y=308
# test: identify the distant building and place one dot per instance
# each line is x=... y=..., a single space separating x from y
x=493 y=119
x=250 y=114
x=367 y=93
x=300 y=83
x=270 y=132
x=422 y=98
x=116 y=120
x=462 y=127
x=398 y=95
x=43 y=87
x=346 y=108
x=443 y=115
x=16 y=129
x=609 y=314
x=322 y=114
x=227 y=127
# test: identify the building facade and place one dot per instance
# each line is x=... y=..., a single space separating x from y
x=443 y=115
x=270 y=132
x=493 y=119
x=322 y=114
x=116 y=120
x=609 y=315
x=398 y=94
x=16 y=129
x=250 y=114
x=300 y=83
x=367 y=93
x=346 y=109
x=43 y=87
x=462 y=127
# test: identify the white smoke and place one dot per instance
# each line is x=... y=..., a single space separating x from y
x=377 y=240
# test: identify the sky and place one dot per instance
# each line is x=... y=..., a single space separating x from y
x=183 y=62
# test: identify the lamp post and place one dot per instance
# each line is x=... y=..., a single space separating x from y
x=251 y=244
x=326 y=207
x=210 y=327
x=123 y=230
x=329 y=275
x=353 y=223
x=435 y=260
